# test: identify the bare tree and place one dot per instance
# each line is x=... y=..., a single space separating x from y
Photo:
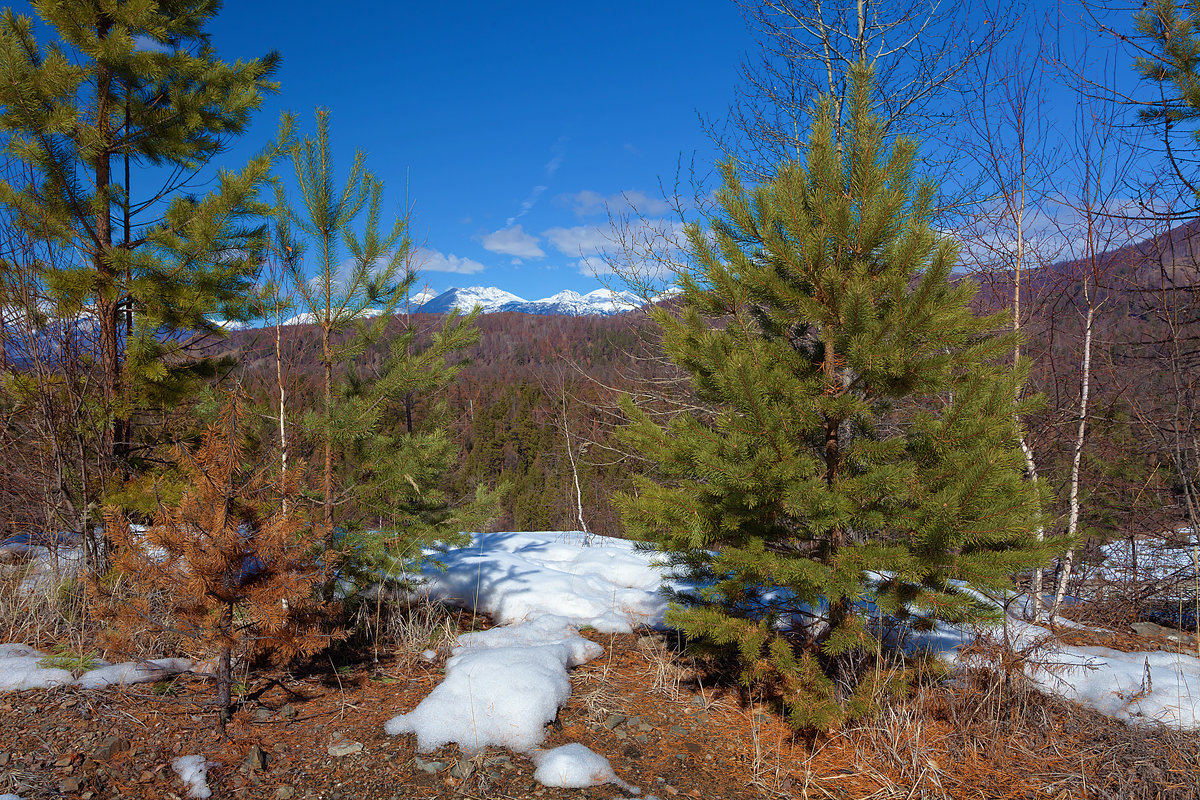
x=921 y=52
x=1099 y=166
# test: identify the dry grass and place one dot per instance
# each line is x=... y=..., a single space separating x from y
x=41 y=613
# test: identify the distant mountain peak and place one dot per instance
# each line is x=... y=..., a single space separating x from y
x=602 y=302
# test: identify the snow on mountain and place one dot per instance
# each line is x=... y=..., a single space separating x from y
x=567 y=303
x=455 y=299
x=421 y=298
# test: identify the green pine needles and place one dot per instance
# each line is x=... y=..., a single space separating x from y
x=114 y=125
x=860 y=447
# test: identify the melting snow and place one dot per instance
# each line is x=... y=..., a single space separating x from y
x=610 y=586
x=193 y=770
x=573 y=766
x=502 y=687
x=21 y=668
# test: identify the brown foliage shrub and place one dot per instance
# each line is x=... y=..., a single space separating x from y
x=230 y=566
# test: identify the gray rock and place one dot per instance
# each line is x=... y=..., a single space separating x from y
x=615 y=720
x=341 y=747
x=256 y=759
x=70 y=785
x=463 y=769
x=109 y=747
x=285 y=793
x=288 y=711
x=428 y=766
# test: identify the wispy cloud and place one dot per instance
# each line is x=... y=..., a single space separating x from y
x=579 y=240
x=526 y=205
x=559 y=154
x=429 y=260
x=513 y=241
x=588 y=203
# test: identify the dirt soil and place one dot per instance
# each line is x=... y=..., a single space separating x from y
x=319 y=734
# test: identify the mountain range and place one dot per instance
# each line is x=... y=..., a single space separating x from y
x=604 y=302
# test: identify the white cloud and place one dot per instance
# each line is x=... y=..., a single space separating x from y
x=526 y=205
x=579 y=240
x=427 y=260
x=588 y=203
x=513 y=242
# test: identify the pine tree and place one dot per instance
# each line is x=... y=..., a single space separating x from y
x=224 y=565
x=861 y=445
x=382 y=471
x=117 y=119
x=399 y=450
x=335 y=298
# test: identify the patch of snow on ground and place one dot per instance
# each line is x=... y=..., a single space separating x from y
x=130 y=672
x=573 y=766
x=502 y=687
x=21 y=668
x=193 y=770
x=9 y=797
x=1153 y=686
x=511 y=577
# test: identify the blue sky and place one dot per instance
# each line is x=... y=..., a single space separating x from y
x=506 y=126
x=513 y=130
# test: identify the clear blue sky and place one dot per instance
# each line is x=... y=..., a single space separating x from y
x=512 y=129
x=505 y=125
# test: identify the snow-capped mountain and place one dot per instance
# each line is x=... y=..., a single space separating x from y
x=568 y=303
x=491 y=298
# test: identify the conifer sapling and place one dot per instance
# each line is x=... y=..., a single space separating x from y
x=225 y=566
x=860 y=455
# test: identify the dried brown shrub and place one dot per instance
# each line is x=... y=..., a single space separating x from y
x=230 y=566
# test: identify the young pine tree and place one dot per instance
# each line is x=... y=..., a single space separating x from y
x=225 y=566
x=398 y=449
x=861 y=444
x=335 y=297
x=116 y=120
x=383 y=464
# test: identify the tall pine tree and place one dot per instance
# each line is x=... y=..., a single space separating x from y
x=117 y=120
x=860 y=445
x=382 y=466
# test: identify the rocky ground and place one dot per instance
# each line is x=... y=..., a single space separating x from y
x=318 y=733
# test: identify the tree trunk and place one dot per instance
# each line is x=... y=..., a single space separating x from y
x=327 y=505
x=225 y=672
x=1077 y=456
x=107 y=296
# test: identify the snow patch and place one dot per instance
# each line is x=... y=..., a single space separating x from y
x=1151 y=686
x=20 y=668
x=610 y=586
x=193 y=770
x=502 y=687
x=130 y=672
x=573 y=766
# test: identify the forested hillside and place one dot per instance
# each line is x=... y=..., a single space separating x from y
x=531 y=381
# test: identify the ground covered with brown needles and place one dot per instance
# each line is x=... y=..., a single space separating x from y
x=668 y=726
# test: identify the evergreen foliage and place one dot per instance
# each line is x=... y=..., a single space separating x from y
x=115 y=120
x=383 y=468
x=398 y=451
x=861 y=446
